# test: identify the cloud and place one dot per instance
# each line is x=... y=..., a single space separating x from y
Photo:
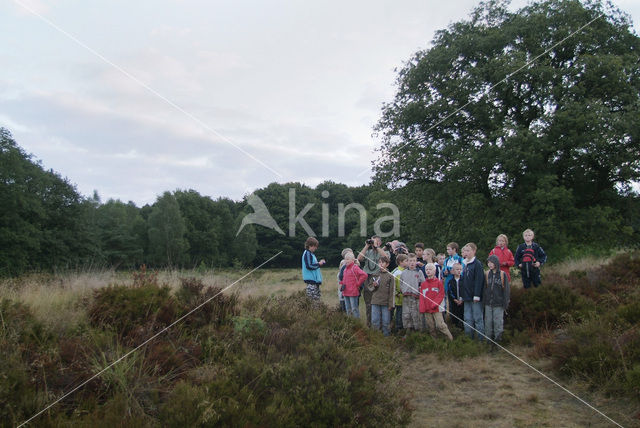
x=31 y=7
x=136 y=156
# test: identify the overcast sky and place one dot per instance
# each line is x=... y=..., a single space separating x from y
x=135 y=98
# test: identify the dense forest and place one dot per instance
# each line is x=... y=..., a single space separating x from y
x=495 y=128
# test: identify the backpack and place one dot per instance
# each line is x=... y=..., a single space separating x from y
x=529 y=255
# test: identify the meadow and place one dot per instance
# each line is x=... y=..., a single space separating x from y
x=260 y=355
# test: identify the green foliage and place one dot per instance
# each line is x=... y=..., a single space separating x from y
x=282 y=362
x=124 y=309
x=167 y=243
x=214 y=307
x=187 y=405
x=42 y=218
x=470 y=123
x=21 y=336
x=284 y=345
x=545 y=308
x=249 y=326
x=120 y=233
x=460 y=347
x=588 y=323
x=600 y=353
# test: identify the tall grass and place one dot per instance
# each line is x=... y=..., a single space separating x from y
x=234 y=362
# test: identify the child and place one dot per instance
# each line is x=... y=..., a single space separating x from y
x=529 y=257
x=432 y=303
x=440 y=266
x=382 y=299
x=403 y=262
x=430 y=257
x=456 y=304
x=410 y=281
x=419 y=250
x=454 y=257
x=352 y=278
x=504 y=254
x=496 y=299
x=311 y=269
x=340 y=272
x=471 y=288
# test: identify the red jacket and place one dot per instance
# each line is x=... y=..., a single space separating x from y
x=506 y=259
x=432 y=296
x=352 y=278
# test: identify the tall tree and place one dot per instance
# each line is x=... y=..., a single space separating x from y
x=43 y=218
x=474 y=109
x=537 y=109
x=118 y=226
x=167 y=243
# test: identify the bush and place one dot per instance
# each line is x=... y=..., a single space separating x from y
x=23 y=340
x=545 y=308
x=282 y=363
x=461 y=346
x=598 y=353
x=219 y=309
x=288 y=364
x=125 y=309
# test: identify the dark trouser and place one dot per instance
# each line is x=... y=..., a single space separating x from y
x=530 y=275
x=457 y=314
x=396 y=314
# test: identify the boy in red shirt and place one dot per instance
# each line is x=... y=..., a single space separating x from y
x=432 y=303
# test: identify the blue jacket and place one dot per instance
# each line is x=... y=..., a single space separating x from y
x=310 y=268
x=472 y=281
x=448 y=262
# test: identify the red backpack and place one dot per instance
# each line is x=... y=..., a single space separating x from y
x=529 y=255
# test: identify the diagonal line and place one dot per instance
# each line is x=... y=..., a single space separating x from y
x=145 y=86
x=146 y=341
x=511 y=353
x=395 y=150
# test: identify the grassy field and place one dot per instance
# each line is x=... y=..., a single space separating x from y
x=477 y=389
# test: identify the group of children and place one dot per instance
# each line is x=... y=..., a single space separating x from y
x=418 y=289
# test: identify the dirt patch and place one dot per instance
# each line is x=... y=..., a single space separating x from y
x=495 y=390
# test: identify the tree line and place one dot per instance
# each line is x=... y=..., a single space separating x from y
x=47 y=225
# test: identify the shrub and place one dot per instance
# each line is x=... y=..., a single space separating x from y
x=461 y=346
x=630 y=313
x=289 y=364
x=125 y=309
x=632 y=381
x=219 y=309
x=23 y=341
x=597 y=352
x=544 y=308
x=143 y=278
x=187 y=406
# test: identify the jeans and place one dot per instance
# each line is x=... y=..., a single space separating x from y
x=351 y=305
x=473 y=317
x=380 y=314
x=493 y=322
